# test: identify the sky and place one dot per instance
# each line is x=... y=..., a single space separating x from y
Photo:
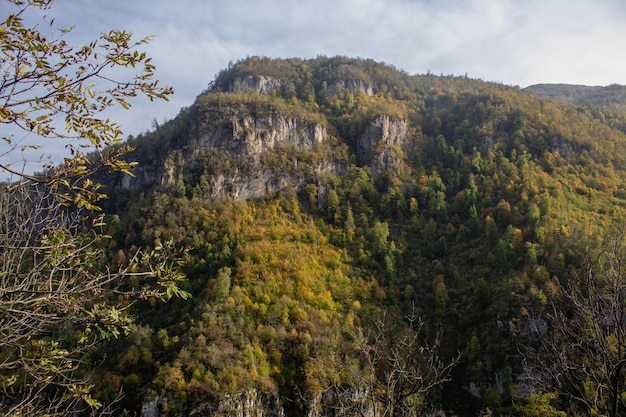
x=514 y=42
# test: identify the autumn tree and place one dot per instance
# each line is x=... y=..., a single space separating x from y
x=59 y=294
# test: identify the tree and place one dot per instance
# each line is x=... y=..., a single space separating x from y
x=222 y=284
x=59 y=293
x=400 y=369
x=538 y=405
x=53 y=90
x=583 y=354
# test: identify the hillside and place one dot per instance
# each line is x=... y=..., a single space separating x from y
x=612 y=95
x=321 y=203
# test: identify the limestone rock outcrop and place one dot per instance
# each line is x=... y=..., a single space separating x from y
x=380 y=144
x=354 y=86
x=259 y=83
x=252 y=135
x=243 y=154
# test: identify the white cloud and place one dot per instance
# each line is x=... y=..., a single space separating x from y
x=514 y=42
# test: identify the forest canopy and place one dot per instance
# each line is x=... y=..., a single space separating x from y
x=475 y=220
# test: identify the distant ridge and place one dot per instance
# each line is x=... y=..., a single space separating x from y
x=612 y=95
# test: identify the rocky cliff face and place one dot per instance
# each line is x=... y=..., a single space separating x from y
x=253 y=135
x=244 y=155
x=380 y=144
x=353 y=86
x=266 y=85
x=255 y=404
x=252 y=149
x=259 y=83
x=245 y=404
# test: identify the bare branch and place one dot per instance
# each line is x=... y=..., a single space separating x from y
x=398 y=369
x=583 y=357
x=60 y=294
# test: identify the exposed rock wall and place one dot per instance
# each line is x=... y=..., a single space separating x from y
x=259 y=83
x=247 y=155
x=353 y=86
x=249 y=404
x=255 y=404
x=565 y=148
x=258 y=185
x=246 y=404
x=380 y=144
x=150 y=408
x=254 y=135
x=236 y=148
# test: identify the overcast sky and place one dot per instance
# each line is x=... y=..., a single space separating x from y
x=515 y=42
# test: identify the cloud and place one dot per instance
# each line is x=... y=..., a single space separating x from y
x=510 y=41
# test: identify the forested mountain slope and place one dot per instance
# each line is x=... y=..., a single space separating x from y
x=322 y=202
x=612 y=95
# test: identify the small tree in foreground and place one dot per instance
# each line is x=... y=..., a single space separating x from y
x=399 y=368
x=582 y=356
x=52 y=90
x=59 y=296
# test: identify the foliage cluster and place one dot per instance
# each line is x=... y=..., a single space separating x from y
x=59 y=298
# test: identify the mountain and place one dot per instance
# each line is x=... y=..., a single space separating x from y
x=334 y=209
x=612 y=95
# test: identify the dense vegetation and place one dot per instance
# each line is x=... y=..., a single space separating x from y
x=498 y=196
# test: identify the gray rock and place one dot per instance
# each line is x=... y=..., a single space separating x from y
x=354 y=87
x=380 y=144
x=259 y=83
